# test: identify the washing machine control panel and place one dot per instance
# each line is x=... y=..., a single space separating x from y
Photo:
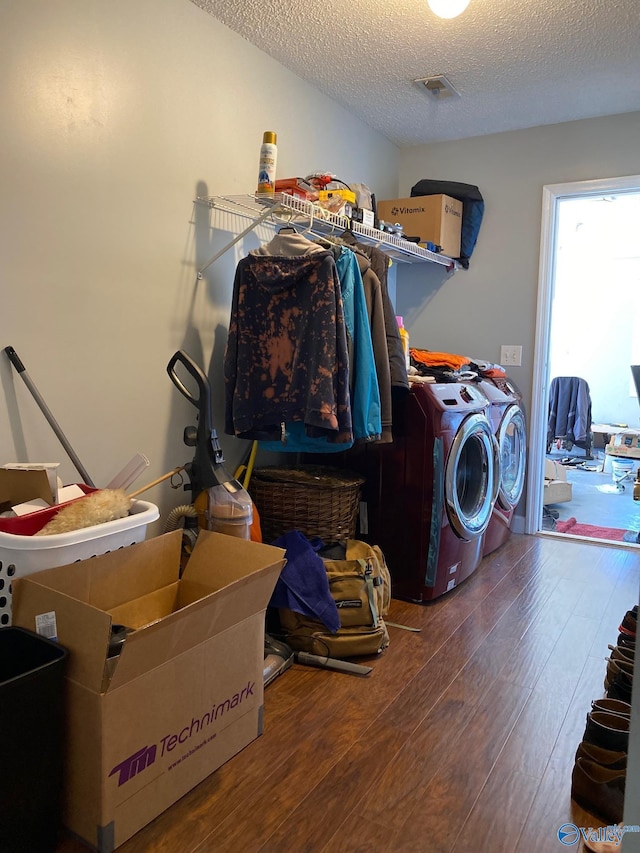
x=469 y=394
x=456 y=395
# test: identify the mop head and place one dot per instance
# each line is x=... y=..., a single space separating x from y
x=96 y=508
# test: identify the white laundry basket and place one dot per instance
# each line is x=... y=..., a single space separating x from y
x=24 y=555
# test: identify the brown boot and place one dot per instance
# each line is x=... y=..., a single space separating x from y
x=616 y=666
x=622 y=653
x=604 y=757
x=620 y=687
x=609 y=731
x=612 y=706
x=599 y=790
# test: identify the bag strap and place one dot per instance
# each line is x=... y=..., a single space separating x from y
x=371 y=593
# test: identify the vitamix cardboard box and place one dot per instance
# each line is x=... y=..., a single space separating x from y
x=184 y=694
x=433 y=218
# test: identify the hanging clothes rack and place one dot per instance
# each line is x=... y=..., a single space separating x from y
x=315 y=220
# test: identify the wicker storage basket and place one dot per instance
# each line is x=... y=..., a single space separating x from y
x=315 y=500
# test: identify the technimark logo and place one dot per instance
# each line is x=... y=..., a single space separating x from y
x=133 y=765
x=146 y=756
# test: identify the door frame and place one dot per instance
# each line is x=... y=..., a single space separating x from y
x=551 y=195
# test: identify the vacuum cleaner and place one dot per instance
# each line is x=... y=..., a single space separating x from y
x=221 y=503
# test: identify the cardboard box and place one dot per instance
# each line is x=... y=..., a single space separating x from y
x=186 y=692
x=25 y=481
x=433 y=218
x=625 y=444
x=604 y=433
x=556 y=488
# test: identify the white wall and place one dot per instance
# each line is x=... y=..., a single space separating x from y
x=494 y=301
x=115 y=116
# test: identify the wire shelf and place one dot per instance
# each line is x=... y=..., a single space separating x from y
x=282 y=209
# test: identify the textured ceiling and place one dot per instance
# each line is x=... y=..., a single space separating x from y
x=516 y=63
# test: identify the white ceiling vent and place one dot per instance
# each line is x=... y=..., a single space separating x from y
x=438 y=86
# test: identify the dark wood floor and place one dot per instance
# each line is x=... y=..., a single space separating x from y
x=462 y=739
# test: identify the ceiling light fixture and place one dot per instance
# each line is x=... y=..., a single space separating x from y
x=448 y=8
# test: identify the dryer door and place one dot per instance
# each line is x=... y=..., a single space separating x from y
x=471 y=477
x=512 y=443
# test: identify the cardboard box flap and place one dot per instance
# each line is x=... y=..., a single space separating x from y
x=554 y=470
x=226 y=581
x=84 y=630
x=109 y=580
x=18 y=485
x=155 y=644
x=249 y=586
x=234 y=558
x=148 y=608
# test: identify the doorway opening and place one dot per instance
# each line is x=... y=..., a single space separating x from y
x=587 y=326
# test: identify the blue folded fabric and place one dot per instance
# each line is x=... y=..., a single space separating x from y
x=303 y=585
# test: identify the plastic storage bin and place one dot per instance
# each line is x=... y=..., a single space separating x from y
x=24 y=555
x=32 y=725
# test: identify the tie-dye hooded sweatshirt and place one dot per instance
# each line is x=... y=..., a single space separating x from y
x=286 y=356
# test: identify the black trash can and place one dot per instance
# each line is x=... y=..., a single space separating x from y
x=32 y=732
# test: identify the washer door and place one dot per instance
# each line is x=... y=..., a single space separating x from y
x=471 y=477
x=512 y=444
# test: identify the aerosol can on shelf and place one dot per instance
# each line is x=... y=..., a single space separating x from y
x=267 y=166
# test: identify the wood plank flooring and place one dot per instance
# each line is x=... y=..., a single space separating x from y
x=462 y=739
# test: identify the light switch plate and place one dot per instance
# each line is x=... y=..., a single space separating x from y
x=510 y=355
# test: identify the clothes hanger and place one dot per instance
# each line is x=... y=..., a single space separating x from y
x=349 y=236
x=288 y=227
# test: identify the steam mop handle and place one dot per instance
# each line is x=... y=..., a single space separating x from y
x=46 y=411
x=194 y=370
x=203 y=401
x=15 y=359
